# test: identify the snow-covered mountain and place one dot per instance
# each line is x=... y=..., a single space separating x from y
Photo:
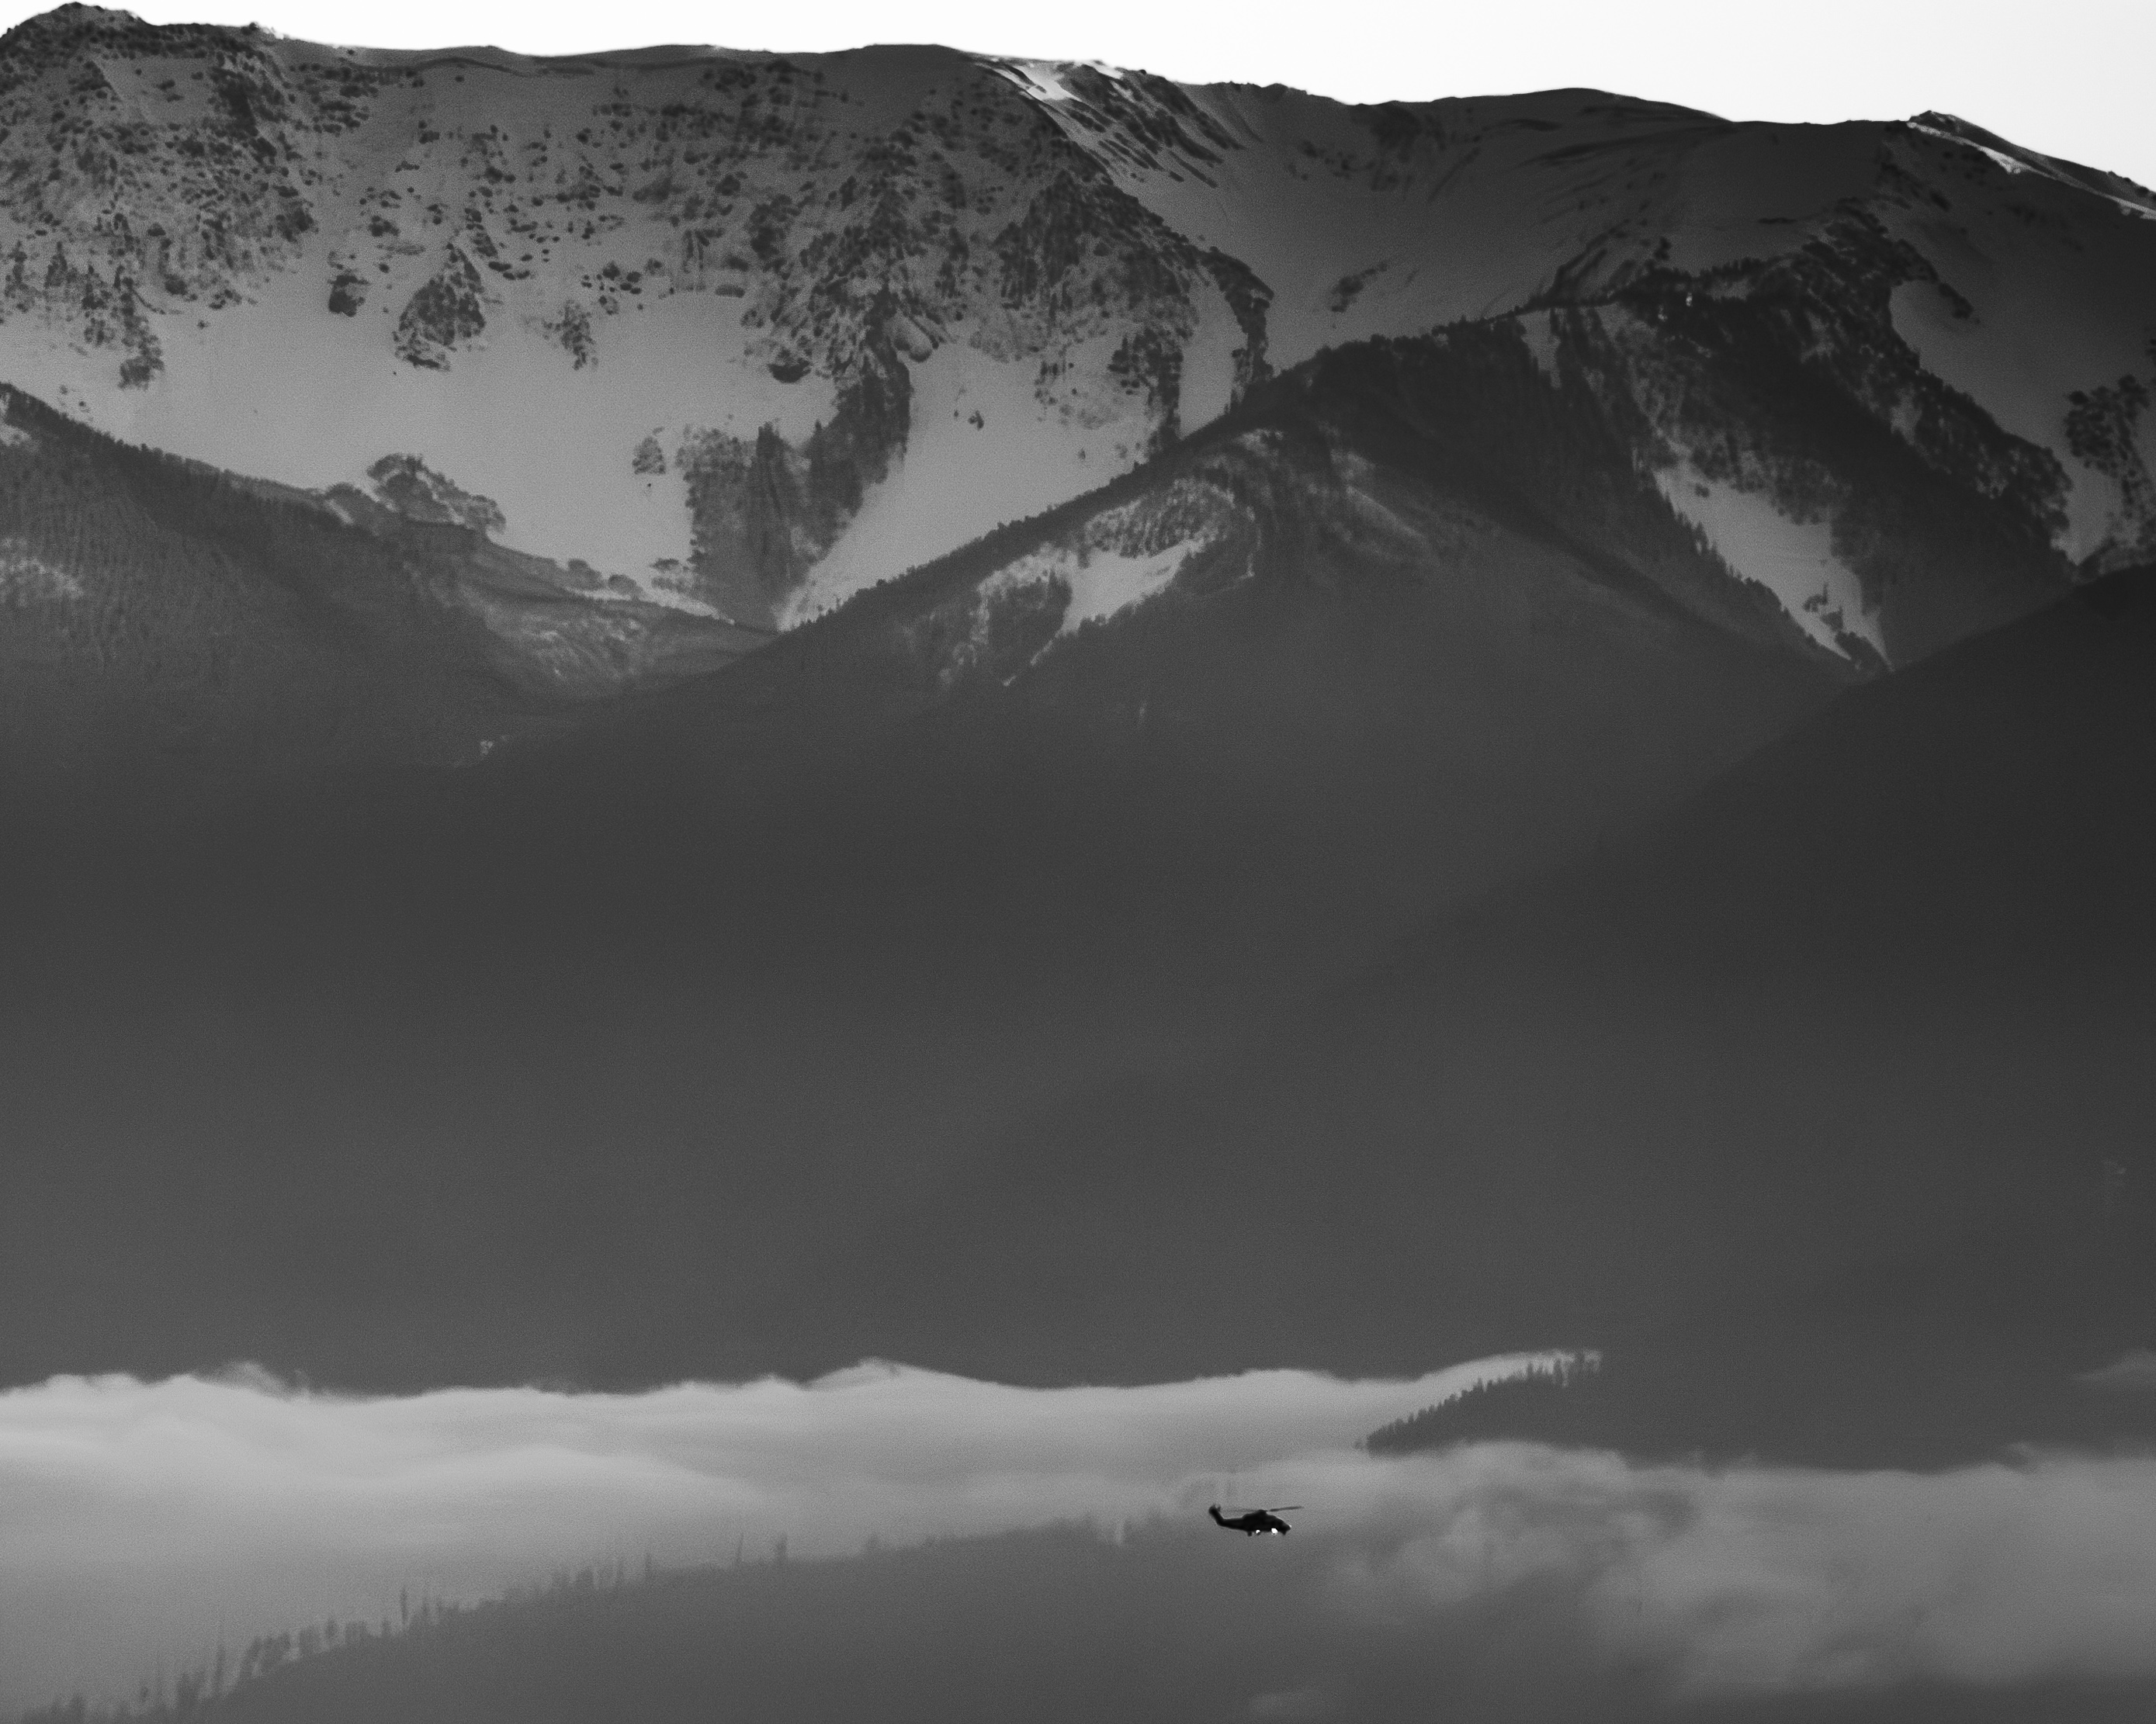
x=642 y=698
x=722 y=338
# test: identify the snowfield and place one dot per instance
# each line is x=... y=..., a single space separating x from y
x=1793 y=560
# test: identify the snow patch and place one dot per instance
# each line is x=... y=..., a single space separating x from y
x=1043 y=80
x=1108 y=583
x=1209 y=362
x=1115 y=563
x=1537 y=329
x=1102 y=583
x=283 y=388
x=1793 y=560
x=669 y=583
x=24 y=575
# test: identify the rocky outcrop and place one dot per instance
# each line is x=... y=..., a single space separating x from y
x=572 y=329
x=101 y=312
x=1085 y=257
x=447 y=310
x=1147 y=363
x=409 y=485
x=764 y=511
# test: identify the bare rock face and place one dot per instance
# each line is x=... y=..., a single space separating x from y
x=347 y=294
x=99 y=313
x=170 y=155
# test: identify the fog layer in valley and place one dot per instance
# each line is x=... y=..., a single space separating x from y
x=153 y=1521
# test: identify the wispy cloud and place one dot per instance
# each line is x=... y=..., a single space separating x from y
x=2133 y=1373
x=138 y=1519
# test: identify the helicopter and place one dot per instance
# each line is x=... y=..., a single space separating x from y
x=1253 y=1521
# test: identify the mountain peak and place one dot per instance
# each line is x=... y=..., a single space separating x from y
x=2015 y=159
x=109 y=27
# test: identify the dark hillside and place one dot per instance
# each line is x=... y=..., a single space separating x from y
x=168 y=630
x=1058 y=1624
x=163 y=621
x=628 y=1028
x=1764 y=1400
x=1842 y=1064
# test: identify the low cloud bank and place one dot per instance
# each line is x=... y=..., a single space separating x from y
x=1768 y=1579
x=140 y=1523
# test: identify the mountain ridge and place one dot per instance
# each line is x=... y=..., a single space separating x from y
x=864 y=255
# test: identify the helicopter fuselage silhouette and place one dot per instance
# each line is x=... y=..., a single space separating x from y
x=1253 y=1521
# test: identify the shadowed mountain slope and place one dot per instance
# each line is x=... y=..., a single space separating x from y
x=604 y=1042
x=1838 y=1069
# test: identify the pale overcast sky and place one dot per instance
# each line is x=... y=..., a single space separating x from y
x=2070 y=77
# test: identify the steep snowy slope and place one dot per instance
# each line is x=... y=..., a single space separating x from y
x=741 y=335
x=2021 y=281
x=663 y=311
